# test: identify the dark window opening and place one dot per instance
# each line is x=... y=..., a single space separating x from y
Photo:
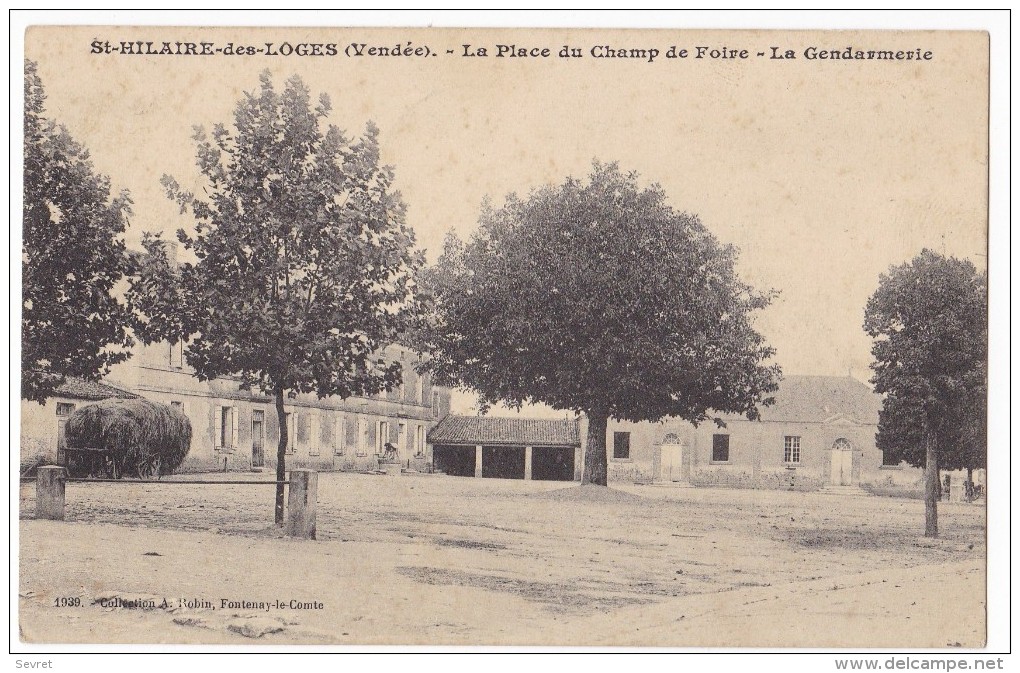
x=621 y=445
x=721 y=448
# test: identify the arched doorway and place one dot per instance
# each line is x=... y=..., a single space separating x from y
x=842 y=462
x=671 y=459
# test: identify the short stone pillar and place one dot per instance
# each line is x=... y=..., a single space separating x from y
x=527 y=462
x=301 y=500
x=478 y=461
x=49 y=492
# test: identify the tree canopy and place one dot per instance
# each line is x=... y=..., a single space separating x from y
x=598 y=297
x=928 y=319
x=73 y=256
x=304 y=263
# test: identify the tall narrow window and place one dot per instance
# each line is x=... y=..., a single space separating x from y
x=314 y=428
x=621 y=445
x=401 y=437
x=291 y=432
x=382 y=436
x=64 y=410
x=419 y=441
x=340 y=435
x=435 y=404
x=419 y=389
x=362 y=449
x=720 y=448
x=177 y=354
x=791 y=449
x=226 y=427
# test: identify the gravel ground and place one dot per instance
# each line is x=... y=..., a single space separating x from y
x=437 y=559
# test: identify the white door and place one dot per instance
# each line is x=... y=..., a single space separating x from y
x=842 y=463
x=671 y=468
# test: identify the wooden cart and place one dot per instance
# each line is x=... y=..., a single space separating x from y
x=101 y=464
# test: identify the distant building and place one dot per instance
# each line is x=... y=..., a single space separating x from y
x=506 y=448
x=820 y=432
x=42 y=425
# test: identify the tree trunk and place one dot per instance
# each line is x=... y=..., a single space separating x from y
x=931 y=484
x=281 y=453
x=969 y=492
x=596 y=467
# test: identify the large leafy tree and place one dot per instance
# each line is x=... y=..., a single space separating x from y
x=304 y=263
x=600 y=298
x=928 y=319
x=72 y=257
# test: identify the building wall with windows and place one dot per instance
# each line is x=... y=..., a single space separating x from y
x=42 y=425
x=820 y=432
x=235 y=429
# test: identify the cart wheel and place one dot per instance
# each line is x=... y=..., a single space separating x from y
x=149 y=469
x=111 y=468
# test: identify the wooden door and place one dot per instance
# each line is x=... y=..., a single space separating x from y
x=671 y=468
x=842 y=463
x=258 y=439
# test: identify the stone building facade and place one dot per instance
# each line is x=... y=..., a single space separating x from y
x=819 y=433
x=234 y=429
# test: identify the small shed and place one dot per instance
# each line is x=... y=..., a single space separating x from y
x=506 y=448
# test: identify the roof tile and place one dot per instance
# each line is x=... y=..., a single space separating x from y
x=475 y=430
x=90 y=390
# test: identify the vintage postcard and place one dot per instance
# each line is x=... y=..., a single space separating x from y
x=504 y=337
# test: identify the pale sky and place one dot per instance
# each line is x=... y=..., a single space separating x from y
x=823 y=174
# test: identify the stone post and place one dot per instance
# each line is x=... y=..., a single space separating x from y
x=301 y=501
x=49 y=492
x=527 y=462
x=478 y=461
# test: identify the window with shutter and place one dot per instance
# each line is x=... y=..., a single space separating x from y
x=313 y=435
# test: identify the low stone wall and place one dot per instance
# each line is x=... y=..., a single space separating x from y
x=632 y=472
x=778 y=480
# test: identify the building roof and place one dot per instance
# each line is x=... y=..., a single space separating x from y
x=486 y=430
x=81 y=389
x=817 y=399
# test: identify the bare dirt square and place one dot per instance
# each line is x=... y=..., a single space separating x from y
x=435 y=559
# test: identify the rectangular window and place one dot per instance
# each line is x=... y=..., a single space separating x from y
x=177 y=354
x=435 y=404
x=419 y=389
x=362 y=436
x=621 y=445
x=720 y=448
x=226 y=421
x=419 y=441
x=401 y=437
x=64 y=409
x=382 y=436
x=791 y=449
x=315 y=423
x=339 y=435
x=291 y=432
x=889 y=460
